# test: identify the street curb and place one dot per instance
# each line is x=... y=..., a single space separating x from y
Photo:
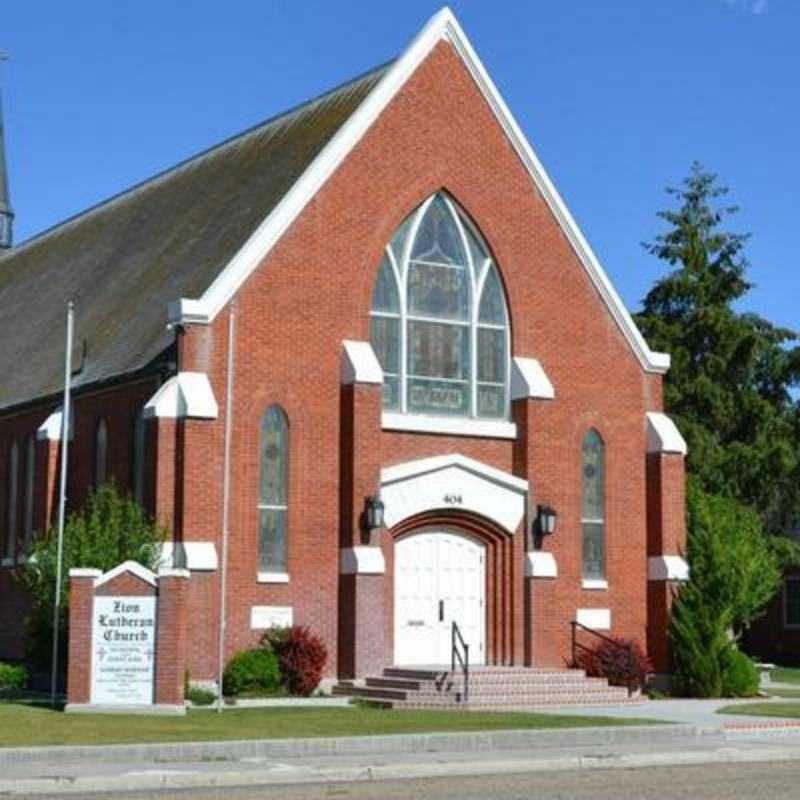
x=279 y=776
x=349 y=745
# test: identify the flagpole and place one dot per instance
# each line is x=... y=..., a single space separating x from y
x=62 y=497
x=226 y=491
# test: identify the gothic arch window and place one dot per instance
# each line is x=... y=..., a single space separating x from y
x=30 y=489
x=273 y=499
x=593 y=522
x=100 y=453
x=439 y=320
x=137 y=456
x=13 y=489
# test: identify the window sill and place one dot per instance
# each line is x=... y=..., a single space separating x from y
x=449 y=426
x=594 y=584
x=7 y=562
x=273 y=577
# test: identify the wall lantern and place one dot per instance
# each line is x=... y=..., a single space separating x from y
x=546 y=517
x=373 y=513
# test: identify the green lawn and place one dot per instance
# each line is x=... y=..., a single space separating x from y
x=28 y=724
x=793 y=694
x=786 y=675
x=785 y=710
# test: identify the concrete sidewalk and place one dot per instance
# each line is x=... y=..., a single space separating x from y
x=709 y=739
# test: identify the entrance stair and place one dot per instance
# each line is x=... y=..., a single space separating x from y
x=490 y=688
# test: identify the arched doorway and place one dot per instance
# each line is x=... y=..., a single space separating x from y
x=439 y=578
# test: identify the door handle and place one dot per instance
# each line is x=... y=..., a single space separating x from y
x=441 y=611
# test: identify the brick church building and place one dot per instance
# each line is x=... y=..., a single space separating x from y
x=380 y=302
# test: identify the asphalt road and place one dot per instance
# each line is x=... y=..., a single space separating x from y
x=759 y=781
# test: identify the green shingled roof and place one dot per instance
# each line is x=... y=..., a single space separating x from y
x=123 y=261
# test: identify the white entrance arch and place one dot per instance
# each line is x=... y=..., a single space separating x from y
x=453 y=482
x=439 y=578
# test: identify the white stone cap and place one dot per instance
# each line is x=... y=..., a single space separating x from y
x=194 y=556
x=540 y=564
x=597 y=619
x=187 y=394
x=667 y=568
x=360 y=364
x=663 y=435
x=84 y=572
x=134 y=567
x=173 y=572
x=528 y=379
x=50 y=429
x=362 y=560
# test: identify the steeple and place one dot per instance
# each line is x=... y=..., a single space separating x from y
x=6 y=214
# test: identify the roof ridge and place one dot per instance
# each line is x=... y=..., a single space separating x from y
x=196 y=158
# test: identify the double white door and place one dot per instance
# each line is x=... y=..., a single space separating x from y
x=439 y=577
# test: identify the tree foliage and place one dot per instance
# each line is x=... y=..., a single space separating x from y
x=734 y=573
x=730 y=385
x=109 y=529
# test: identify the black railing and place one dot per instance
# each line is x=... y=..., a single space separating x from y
x=462 y=656
x=577 y=646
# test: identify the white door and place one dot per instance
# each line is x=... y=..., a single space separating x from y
x=439 y=577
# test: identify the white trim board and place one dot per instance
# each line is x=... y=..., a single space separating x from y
x=442 y=26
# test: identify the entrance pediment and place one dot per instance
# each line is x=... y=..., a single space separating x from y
x=453 y=482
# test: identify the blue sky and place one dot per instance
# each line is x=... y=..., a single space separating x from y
x=618 y=98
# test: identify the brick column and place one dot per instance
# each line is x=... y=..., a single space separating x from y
x=666 y=530
x=362 y=634
x=79 y=663
x=171 y=636
x=533 y=397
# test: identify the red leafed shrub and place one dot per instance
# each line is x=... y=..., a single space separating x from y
x=301 y=657
x=621 y=661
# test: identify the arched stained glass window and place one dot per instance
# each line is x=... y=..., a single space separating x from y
x=137 y=456
x=593 y=507
x=273 y=501
x=100 y=453
x=439 y=322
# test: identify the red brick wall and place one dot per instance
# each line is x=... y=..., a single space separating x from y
x=313 y=291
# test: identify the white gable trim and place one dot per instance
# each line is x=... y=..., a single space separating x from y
x=134 y=567
x=442 y=25
x=187 y=394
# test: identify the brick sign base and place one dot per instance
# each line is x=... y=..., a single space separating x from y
x=127 y=640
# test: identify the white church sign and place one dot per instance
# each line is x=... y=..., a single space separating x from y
x=123 y=650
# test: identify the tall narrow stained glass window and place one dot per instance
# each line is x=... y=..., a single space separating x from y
x=11 y=510
x=439 y=322
x=100 y=453
x=30 y=490
x=273 y=492
x=593 y=507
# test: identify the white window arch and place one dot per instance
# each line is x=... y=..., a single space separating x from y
x=439 y=320
x=273 y=497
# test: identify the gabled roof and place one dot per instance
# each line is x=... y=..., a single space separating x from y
x=190 y=237
x=442 y=26
x=123 y=261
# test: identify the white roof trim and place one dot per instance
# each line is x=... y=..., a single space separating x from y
x=187 y=394
x=360 y=364
x=528 y=379
x=442 y=25
x=423 y=466
x=134 y=567
x=663 y=435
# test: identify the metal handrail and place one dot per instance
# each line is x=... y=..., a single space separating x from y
x=455 y=655
x=576 y=645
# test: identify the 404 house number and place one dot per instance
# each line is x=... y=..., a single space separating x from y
x=453 y=500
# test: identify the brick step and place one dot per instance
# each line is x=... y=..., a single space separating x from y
x=532 y=702
x=496 y=691
x=492 y=673
x=481 y=684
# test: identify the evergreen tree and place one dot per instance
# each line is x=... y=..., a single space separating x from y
x=730 y=385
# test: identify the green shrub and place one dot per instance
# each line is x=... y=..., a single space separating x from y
x=739 y=676
x=109 y=529
x=200 y=696
x=12 y=678
x=252 y=672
